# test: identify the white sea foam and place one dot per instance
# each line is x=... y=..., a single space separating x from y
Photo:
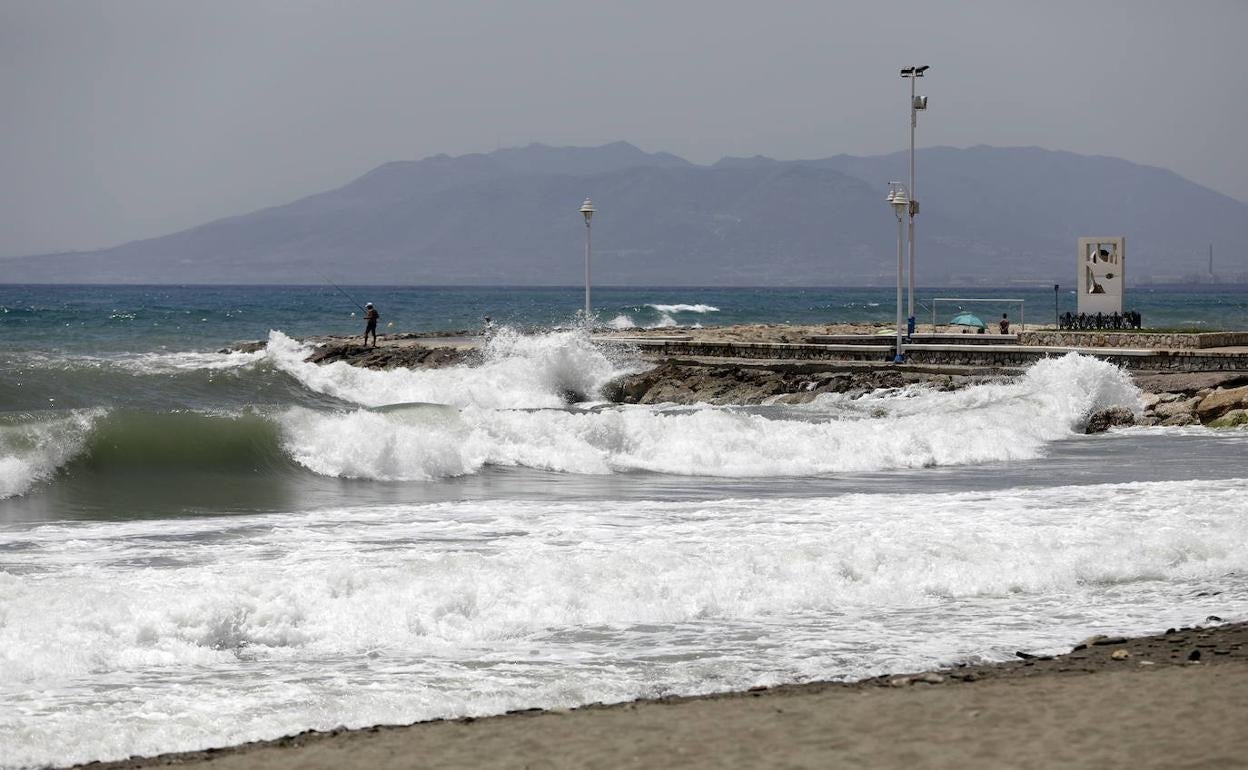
x=682 y=308
x=419 y=442
x=517 y=371
x=911 y=428
x=665 y=322
x=32 y=450
x=626 y=322
x=183 y=361
x=274 y=624
x=145 y=363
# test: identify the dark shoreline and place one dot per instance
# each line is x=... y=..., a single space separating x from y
x=1100 y=663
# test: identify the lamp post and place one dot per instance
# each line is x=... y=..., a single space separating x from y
x=1057 y=317
x=587 y=211
x=916 y=103
x=900 y=201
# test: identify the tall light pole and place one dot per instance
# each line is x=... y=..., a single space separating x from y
x=900 y=202
x=587 y=211
x=916 y=103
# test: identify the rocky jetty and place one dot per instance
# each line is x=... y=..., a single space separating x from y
x=687 y=383
x=393 y=351
x=1213 y=399
x=392 y=356
x=1171 y=399
x=1219 y=400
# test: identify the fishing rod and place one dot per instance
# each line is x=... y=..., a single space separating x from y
x=344 y=293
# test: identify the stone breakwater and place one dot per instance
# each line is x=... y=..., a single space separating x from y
x=394 y=356
x=722 y=384
x=1100 y=339
x=1215 y=399
x=1219 y=401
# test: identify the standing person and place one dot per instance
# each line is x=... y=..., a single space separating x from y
x=371 y=315
x=1005 y=324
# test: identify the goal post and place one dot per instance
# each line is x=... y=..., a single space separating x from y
x=961 y=302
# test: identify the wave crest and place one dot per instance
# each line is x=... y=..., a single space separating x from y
x=911 y=428
x=683 y=308
x=517 y=371
x=34 y=447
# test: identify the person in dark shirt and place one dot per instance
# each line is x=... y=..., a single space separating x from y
x=1004 y=325
x=371 y=315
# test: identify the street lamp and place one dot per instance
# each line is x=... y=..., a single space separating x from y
x=900 y=201
x=587 y=211
x=916 y=103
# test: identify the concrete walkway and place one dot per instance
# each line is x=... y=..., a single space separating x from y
x=733 y=346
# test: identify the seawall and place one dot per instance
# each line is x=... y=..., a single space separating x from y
x=998 y=355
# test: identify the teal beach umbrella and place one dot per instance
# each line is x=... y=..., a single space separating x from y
x=967 y=319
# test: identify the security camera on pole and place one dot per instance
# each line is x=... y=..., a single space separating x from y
x=916 y=103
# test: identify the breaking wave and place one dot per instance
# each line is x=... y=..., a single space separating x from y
x=34 y=446
x=909 y=428
x=510 y=411
x=516 y=371
x=681 y=308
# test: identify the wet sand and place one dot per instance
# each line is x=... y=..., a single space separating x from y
x=1173 y=700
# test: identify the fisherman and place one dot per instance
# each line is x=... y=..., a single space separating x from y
x=1005 y=324
x=371 y=315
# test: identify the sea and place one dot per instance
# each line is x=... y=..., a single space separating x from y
x=200 y=548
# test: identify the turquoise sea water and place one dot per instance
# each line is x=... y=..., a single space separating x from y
x=201 y=548
x=137 y=318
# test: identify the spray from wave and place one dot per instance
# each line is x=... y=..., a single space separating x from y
x=516 y=371
x=666 y=316
x=622 y=322
x=34 y=446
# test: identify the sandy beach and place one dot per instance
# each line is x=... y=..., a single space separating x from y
x=1172 y=700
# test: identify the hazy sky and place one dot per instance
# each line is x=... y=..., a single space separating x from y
x=128 y=119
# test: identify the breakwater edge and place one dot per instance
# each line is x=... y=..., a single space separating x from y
x=782 y=364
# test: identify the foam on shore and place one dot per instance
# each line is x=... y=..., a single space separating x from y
x=407 y=612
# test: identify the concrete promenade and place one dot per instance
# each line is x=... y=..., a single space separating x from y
x=849 y=346
x=958 y=351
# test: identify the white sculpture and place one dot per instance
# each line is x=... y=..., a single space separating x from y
x=1102 y=263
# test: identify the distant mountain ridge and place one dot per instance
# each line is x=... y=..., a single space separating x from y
x=509 y=217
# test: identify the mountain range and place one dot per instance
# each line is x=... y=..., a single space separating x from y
x=510 y=217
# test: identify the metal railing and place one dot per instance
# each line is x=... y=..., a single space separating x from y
x=1128 y=320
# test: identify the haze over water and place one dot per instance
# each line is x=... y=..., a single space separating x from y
x=200 y=548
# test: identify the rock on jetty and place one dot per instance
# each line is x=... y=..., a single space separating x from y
x=689 y=383
x=1214 y=399
x=393 y=356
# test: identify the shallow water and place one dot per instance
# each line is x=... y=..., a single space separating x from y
x=198 y=549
